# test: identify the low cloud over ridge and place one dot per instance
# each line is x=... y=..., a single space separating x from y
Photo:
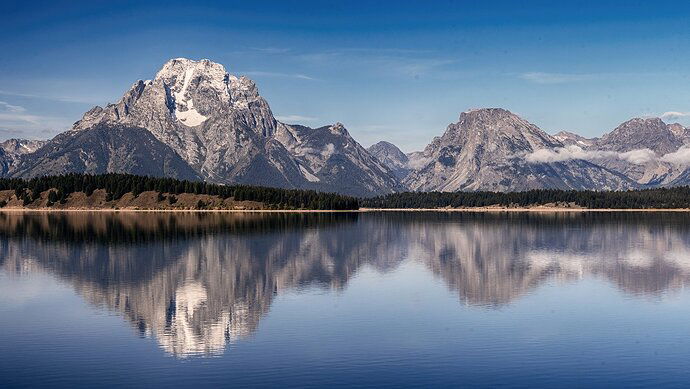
x=638 y=157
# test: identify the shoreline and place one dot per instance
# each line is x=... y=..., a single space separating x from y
x=525 y=209
x=361 y=210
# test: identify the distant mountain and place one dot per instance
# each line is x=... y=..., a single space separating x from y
x=645 y=141
x=647 y=133
x=391 y=156
x=486 y=150
x=17 y=147
x=13 y=149
x=222 y=129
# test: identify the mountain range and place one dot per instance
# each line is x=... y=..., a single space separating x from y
x=196 y=121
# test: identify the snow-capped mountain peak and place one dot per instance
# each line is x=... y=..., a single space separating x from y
x=225 y=132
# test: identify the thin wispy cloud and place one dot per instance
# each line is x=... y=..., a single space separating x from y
x=295 y=118
x=62 y=99
x=15 y=114
x=390 y=62
x=271 y=50
x=13 y=118
x=396 y=62
x=382 y=51
x=16 y=121
x=4 y=106
x=555 y=78
x=257 y=73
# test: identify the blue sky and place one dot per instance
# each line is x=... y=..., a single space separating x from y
x=397 y=71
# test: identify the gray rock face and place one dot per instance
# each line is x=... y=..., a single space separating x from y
x=645 y=141
x=486 y=150
x=571 y=139
x=221 y=127
x=391 y=156
x=647 y=133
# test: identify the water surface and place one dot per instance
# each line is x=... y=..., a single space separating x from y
x=372 y=299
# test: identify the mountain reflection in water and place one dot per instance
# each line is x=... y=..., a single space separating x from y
x=199 y=281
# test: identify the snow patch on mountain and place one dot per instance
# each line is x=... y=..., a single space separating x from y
x=190 y=117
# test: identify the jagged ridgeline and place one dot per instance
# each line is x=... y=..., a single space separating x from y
x=130 y=191
x=196 y=121
x=659 y=198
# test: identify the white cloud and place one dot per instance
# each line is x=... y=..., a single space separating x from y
x=561 y=154
x=558 y=154
x=295 y=118
x=679 y=157
x=673 y=115
x=638 y=157
x=555 y=78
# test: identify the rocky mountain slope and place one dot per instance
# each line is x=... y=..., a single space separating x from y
x=196 y=114
x=194 y=120
x=105 y=148
x=488 y=149
x=571 y=139
x=645 y=141
x=391 y=156
x=644 y=133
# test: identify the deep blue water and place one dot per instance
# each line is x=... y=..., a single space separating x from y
x=346 y=299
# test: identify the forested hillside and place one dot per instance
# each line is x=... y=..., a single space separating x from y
x=56 y=190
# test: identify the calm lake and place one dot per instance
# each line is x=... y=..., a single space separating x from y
x=341 y=299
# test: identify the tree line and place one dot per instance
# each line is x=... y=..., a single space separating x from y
x=116 y=185
x=664 y=198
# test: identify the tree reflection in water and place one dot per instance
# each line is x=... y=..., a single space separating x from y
x=199 y=281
